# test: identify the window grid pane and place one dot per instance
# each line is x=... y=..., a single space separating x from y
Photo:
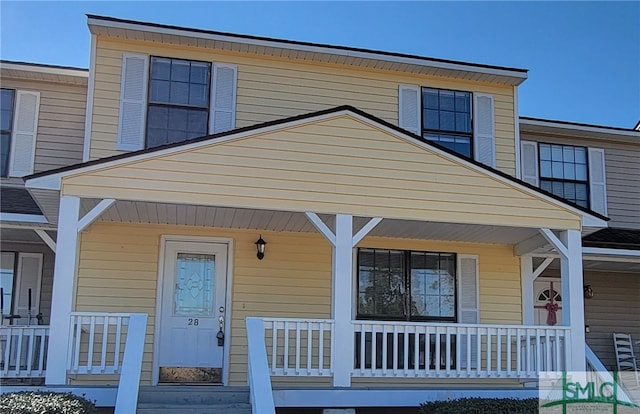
x=446 y=119
x=563 y=172
x=178 y=100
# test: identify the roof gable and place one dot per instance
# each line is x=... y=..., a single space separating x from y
x=336 y=162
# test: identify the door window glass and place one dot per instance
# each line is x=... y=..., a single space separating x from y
x=194 y=291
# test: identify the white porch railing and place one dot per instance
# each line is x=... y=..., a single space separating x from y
x=402 y=349
x=23 y=351
x=304 y=347
x=109 y=343
x=299 y=346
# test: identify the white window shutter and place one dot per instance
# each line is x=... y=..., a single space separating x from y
x=597 y=181
x=468 y=306
x=223 y=98
x=133 y=102
x=484 y=129
x=29 y=276
x=529 y=162
x=409 y=110
x=24 y=132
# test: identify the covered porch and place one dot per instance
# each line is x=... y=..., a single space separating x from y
x=319 y=210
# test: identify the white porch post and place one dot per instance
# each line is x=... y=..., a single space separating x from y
x=63 y=290
x=526 y=280
x=342 y=269
x=573 y=296
x=343 y=242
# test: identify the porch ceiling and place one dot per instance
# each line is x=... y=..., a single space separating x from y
x=270 y=220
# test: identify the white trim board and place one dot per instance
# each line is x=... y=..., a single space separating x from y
x=313 y=48
x=28 y=218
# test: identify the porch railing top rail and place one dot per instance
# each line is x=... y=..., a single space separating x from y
x=458 y=325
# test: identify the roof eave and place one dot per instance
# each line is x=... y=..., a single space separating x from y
x=415 y=64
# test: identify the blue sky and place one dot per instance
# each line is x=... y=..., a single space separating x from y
x=583 y=57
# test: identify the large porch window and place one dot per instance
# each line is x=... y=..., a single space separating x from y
x=406 y=285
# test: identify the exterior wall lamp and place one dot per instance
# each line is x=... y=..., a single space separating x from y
x=588 y=292
x=260 y=245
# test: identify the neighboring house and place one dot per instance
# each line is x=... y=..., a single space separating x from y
x=401 y=249
x=597 y=167
x=42 y=117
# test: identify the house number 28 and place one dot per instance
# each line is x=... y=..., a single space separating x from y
x=192 y=321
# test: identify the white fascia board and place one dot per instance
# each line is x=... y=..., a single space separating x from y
x=47 y=182
x=83 y=73
x=88 y=120
x=52 y=182
x=580 y=128
x=587 y=219
x=606 y=252
x=307 y=48
x=25 y=218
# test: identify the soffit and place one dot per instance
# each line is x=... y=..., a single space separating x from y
x=271 y=220
x=136 y=31
x=46 y=74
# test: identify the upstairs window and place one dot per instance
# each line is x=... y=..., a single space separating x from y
x=7 y=99
x=178 y=106
x=406 y=285
x=563 y=172
x=446 y=119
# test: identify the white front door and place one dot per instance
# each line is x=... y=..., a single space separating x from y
x=192 y=308
x=548 y=298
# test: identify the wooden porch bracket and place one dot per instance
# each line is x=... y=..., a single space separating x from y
x=94 y=213
x=555 y=242
x=46 y=238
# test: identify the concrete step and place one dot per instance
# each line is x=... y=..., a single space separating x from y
x=150 y=408
x=193 y=395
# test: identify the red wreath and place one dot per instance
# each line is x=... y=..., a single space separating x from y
x=552 y=308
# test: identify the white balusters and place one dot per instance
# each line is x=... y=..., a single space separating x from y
x=22 y=351
x=97 y=341
x=439 y=350
x=299 y=346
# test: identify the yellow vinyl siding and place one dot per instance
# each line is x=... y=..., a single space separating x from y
x=118 y=272
x=335 y=165
x=274 y=88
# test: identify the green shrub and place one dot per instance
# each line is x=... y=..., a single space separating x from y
x=481 y=406
x=39 y=402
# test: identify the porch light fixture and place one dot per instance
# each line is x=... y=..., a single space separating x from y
x=588 y=292
x=260 y=244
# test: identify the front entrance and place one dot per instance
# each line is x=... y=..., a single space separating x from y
x=193 y=315
x=547 y=304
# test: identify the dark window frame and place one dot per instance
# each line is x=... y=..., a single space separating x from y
x=4 y=172
x=586 y=182
x=406 y=263
x=151 y=103
x=442 y=132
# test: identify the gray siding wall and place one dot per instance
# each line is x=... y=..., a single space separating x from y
x=622 y=164
x=48 y=260
x=60 y=122
x=614 y=308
